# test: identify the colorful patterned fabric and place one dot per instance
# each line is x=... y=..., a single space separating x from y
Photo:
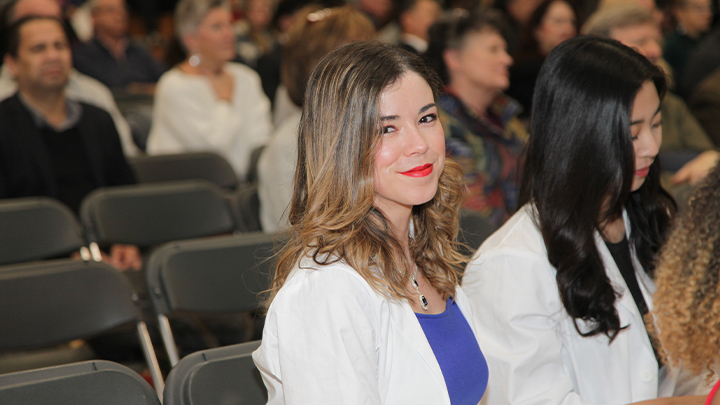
x=488 y=150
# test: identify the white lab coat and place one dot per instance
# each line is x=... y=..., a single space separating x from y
x=534 y=354
x=330 y=339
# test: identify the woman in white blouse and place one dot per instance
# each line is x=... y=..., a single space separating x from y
x=207 y=103
x=364 y=306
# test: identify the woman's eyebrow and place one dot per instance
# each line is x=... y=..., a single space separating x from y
x=642 y=120
x=427 y=107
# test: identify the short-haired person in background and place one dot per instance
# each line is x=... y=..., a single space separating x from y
x=365 y=306
x=51 y=145
x=79 y=87
x=207 y=103
x=483 y=133
x=308 y=41
x=111 y=56
x=686 y=317
x=559 y=292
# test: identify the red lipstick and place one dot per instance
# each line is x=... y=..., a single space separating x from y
x=420 y=171
x=642 y=172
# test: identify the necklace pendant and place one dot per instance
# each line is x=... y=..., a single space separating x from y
x=423 y=302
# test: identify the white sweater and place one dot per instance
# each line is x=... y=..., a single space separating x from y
x=188 y=117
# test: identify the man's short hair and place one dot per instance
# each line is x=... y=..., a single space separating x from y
x=602 y=22
x=13 y=40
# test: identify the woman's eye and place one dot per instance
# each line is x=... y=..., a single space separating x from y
x=387 y=129
x=657 y=124
x=428 y=118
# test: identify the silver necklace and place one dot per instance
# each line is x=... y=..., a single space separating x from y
x=423 y=300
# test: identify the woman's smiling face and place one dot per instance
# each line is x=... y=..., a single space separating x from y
x=411 y=154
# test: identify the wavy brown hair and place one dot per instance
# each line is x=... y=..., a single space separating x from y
x=332 y=214
x=686 y=312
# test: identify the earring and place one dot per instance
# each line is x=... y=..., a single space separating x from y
x=194 y=60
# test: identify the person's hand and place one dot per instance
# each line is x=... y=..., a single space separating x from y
x=696 y=170
x=125 y=257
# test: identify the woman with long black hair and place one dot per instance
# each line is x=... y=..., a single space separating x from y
x=561 y=289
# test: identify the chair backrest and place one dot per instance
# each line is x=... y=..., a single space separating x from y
x=211 y=275
x=37 y=228
x=47 y=303
x=222 y=376
x=206 y=166
x=88 y=383
x=474 y=229
x=151 y=214
x=52 y=302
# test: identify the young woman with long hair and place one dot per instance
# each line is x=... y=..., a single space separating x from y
x=364 y=306
x=686 y=317
x=560 y=290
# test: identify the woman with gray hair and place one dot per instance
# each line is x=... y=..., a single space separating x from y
x=207 y=103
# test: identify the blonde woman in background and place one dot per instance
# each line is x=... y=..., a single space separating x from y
x=309 y=40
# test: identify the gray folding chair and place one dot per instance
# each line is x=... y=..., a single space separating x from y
x=52 y=302
x=151 y=214
x=88 y=383
x=38 y=228
x=222 y=376
x=206 y=166
x=211 y=275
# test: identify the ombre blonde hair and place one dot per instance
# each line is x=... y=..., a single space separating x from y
x=332 y=214
x=686 y=314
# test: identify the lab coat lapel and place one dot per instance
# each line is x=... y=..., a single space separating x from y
x=404 y=317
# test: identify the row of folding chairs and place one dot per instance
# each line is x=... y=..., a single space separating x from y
x=222 y=376
x=143 y=215
x=50 y=302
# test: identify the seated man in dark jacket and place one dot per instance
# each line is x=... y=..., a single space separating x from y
x=51 y=145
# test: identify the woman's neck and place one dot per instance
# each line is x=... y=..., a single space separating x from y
x=613 y=230
x=204 y=68
x=478 y=99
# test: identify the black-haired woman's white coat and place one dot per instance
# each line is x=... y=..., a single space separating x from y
x=534 y=353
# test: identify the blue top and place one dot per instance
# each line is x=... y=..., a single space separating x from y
x=456 y=350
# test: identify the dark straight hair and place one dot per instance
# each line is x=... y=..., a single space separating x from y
x=579 y=168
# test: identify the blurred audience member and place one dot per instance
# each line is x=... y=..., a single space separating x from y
x=693 y=20
x=309 y=40
x=701 y=62
x=206 y=102
x=482 y=131
x=416 y=17
x=637 y=28
x=649 y=5
x=553 y=22
x=254 y=36
x=111 y=56
x=268 y=66
x=379 y=11
x=51 y=145
x=518 y=13
x=79 y=86
x=704 y=103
